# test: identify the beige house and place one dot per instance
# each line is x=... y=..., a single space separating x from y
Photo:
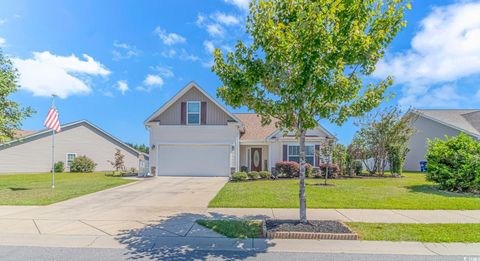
x=31 y=153
x=431 y=124
x=193 y=135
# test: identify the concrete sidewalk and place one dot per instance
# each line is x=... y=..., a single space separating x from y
x=173 y=245
x=358 y=215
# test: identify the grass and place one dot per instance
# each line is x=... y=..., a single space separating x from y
x=418 y=232
x=409 y=192
x=34 y=189
x=234 y=228
x=366 y=231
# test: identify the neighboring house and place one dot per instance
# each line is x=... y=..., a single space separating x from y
x=193 y=135
x=32 y=153
x=431 y=124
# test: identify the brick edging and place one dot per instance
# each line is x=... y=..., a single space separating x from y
x=307 y=235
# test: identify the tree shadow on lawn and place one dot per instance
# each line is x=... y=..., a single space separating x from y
x=179 y=237
x=432 y=189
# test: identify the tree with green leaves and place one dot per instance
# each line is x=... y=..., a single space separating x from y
x=11 y=113
x=383 y=137
x=307 y=61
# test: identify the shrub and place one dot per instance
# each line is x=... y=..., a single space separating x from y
x=264 y=174
x=59 y=167
x=357 y=167
x=253 y=175
x=308 y=170
x=454 y=163
x=288 y=168
x=244 y=169
x=333 y=169
x=396 y=158
x=82 y=164
x=239 y=176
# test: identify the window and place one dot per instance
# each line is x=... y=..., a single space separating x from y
x=70 y=158
x=193 y=112
x=294 y=153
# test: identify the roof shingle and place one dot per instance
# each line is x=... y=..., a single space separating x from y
x=467 y=120
x=253 y=126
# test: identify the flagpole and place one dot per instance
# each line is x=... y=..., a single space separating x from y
x=53 y=147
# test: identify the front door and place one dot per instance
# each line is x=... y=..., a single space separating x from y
x=256 y=159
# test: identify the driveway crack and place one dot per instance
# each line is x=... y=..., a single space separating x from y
x=81 y=221
x=430 y=249
x=38 y=229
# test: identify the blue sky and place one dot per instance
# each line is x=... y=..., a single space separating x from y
x=115 y=62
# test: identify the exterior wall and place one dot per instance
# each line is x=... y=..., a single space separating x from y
x=215 y=115
x=426 y=129
x=189 y=134
x=245 y=156
x=35 y=155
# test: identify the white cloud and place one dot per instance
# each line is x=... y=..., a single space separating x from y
x=2 y=21
x=164 y=71
x=445 y=96
x=46 y=74
x=3 y=42
x=184 y=55
x=241 y=4
x=215 y=30
x=200 y=20
x=169 y=53
x=169 y=38
x=209 y=47
x=225 y=19
x=153 y=80
x=122 y=86
x=445 y=49
x=124 y=51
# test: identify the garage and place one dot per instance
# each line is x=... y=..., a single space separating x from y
x=193 y=159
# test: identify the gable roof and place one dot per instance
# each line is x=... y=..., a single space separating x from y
x=254 y=131
x=68 y=126
x=253 y=127
x=179 y=94
x=467 y=121
x=22 y=133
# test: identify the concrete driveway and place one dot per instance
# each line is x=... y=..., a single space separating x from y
x=109 y=212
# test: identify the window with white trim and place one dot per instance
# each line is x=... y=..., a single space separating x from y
x=294 y=154
x=70 y=158
x=193 y=112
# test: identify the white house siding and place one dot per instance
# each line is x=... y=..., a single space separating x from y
x=32 y=156
x=426 y=129
x=194 y=135
x=215 y=115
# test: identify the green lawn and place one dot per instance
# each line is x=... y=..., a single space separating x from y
x=366 y=231
x=34 y=189
x=234 y=228
x=418 y=232
x=409 y=192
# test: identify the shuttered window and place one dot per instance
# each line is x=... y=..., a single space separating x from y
x=193 y=112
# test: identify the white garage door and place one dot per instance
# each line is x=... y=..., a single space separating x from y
x=193 y=160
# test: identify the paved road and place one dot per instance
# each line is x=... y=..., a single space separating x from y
x=8 y=253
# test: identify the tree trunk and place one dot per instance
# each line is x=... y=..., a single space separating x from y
x=303 y=197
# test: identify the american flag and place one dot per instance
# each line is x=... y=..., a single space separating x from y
x=51 y=121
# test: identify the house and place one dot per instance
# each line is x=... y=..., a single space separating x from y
x=193 y=135
x=431 y=124
x=32 y=152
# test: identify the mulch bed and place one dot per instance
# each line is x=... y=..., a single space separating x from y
x=323 y=226
x=314 y=229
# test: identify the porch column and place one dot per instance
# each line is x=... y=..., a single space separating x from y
x=269 y=157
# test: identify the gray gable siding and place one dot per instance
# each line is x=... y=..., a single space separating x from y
x=215 y=115
x=33 y=154
x=425 y=129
